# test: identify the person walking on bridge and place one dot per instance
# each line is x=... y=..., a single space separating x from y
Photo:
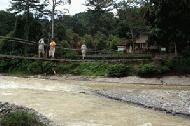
x=83 y=50
x=52 y=48
x=41 y=45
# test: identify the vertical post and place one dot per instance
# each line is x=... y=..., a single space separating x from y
x=175 y=46
x=132 y=36
x=27 y=25
x=52 y=19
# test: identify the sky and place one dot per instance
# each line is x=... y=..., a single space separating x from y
x=74 y=8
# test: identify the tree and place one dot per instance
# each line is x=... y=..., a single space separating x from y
x=100 y=5
x=54 y=4
x=98 y=11
x=131 y=19
x=7 y=22
x=170 y=22
x=24 y=6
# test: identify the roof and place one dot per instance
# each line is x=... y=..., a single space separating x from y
x=142 y=39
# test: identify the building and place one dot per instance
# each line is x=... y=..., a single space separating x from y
x=139 y=45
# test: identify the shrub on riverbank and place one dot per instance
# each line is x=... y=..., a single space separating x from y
x=19 y=119
x=119 y=70
x=151 y=70
x=30 y=67
x=91 y=69
x=41 y=67
x=180 y=65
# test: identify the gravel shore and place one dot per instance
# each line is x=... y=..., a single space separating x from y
x=171 y=101
x=6 y=108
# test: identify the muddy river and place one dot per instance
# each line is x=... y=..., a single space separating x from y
x=71 y=103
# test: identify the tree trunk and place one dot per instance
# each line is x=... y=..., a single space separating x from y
x=175 y=46
x=132 y=36
x=52 y=19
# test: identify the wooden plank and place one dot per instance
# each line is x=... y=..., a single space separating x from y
x=70 y=60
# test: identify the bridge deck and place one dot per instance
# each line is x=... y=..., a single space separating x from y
x=71 y=60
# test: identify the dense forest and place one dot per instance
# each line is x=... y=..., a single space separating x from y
x=166 y=22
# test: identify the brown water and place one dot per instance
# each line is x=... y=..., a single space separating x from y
x=63 y=102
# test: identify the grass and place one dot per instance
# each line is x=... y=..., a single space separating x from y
x=19 y=119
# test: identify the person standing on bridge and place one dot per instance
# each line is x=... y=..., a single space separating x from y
x=52 y=48
x=83 y=50
x=41 y=45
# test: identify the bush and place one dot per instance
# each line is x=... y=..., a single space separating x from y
x=91 y=69
x=34 y=68
x=72 y=55
x=65 y=68
x=163 y=69
x=4 y=66
x=118 y=70
x=48 y=67
x=39 y=67
x=147 y=70
x=186 y=52
x=19 y=119
x=180 y=64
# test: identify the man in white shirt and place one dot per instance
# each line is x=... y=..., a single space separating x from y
x=83 y=50
x=41 y=45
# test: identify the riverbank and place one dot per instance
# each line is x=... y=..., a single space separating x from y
x=64 y=101
x=6 y=108
x=170 y=101
x=155 y=93
x=164 y=97
x=166 y=80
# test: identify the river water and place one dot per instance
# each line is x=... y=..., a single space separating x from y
x=66 y=103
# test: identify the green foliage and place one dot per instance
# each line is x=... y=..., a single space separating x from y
x=99 y=41
x=91 y=69
x=119 y=70
x=186 y=52
x=179 y=64
x=65 y=44
x=6 y=22
x=20 y=6
x=169 y=22
x=4 y=66
x=39 y=67
x=6 y=46
x=147 y=70
x=151 y=70
x=65 y=68
x=113 y=41
x=19 y=119
x=89 y=41
x=72 y=55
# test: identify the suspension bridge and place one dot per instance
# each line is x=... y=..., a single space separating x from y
x=16 y=48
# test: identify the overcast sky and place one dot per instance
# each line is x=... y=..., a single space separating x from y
x=74 y=8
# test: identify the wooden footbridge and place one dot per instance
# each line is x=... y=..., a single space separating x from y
x=93 y=56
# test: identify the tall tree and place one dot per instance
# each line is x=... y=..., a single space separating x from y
x=7 y=23
x=98 y=11
x=27 y=7
x=131 y=19
x=100 y=5
x=170 y=21
x=54 y=4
